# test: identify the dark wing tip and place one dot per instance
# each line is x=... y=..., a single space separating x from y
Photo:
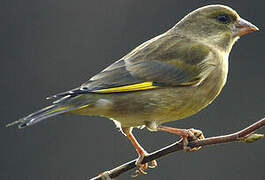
x=50 y=97
x=21 y=123
x=73 y=92
x=12 y=123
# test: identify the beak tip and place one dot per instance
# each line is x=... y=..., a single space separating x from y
x=245 y=27
x=254 y=28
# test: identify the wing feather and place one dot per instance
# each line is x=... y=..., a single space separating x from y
x=166 y=60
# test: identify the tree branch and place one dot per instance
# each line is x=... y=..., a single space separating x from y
x=245 y=135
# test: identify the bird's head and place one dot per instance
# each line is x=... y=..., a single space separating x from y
x=216 y=25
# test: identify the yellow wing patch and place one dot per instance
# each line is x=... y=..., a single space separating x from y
x=134 y=87
x=84 y=106
x=59 y=109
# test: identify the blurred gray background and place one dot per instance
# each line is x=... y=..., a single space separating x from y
x=51 y=46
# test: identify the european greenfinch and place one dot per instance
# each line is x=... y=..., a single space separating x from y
x=170 y=77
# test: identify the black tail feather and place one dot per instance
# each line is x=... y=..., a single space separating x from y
x=40 y=115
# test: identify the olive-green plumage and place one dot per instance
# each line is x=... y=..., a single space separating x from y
x=173 y=75
x=167 y=78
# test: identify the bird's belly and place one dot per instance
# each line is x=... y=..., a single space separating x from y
x=161 y=105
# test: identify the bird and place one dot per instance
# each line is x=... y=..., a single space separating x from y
x=167 y=78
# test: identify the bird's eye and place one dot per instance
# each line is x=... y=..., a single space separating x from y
x=224 y=18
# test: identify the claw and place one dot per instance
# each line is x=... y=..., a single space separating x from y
x=197 y=133
x=194 y=134
x=142 y=167
x=153 y=164
x=138 y=172
x=186 y=134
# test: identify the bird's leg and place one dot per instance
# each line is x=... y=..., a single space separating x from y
x=186 y=134
x=141 y=152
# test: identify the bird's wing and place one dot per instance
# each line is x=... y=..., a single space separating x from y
x=165 y=61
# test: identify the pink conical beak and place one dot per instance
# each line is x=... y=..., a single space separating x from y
x=243 y=27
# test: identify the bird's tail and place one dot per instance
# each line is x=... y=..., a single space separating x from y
x=59 y=107
x=40 y=115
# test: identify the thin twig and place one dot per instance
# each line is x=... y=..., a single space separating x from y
x=245 y=135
